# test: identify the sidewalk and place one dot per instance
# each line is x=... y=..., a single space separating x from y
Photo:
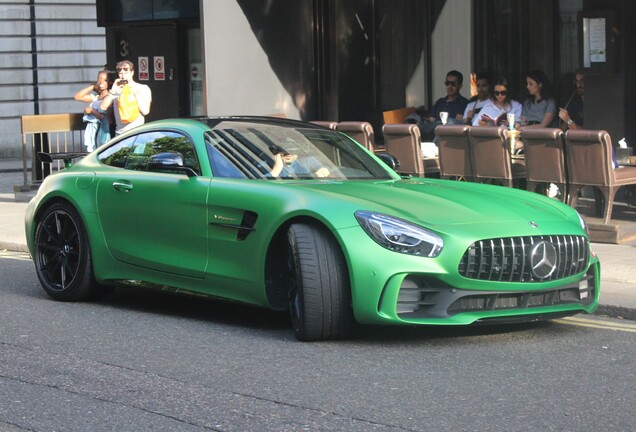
x=618 y=279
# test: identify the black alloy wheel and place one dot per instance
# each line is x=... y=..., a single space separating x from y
x=62 y=255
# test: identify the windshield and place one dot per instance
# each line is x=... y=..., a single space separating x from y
x=264 y=151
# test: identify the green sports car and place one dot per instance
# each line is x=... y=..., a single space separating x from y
x=289 y=215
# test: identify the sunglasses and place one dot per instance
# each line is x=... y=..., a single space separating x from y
x=501 y=93
x=450 y=83
x=123 y=69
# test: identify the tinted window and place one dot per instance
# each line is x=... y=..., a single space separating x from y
x=116 y=11
x=135 y=153
x=117 y=154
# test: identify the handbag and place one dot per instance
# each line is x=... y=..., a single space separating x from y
x=127 y=105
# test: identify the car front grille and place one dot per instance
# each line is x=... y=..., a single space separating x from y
x=525 y=259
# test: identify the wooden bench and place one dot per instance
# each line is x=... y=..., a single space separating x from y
x=62 y=134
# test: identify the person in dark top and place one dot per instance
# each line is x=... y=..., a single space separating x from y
x=454 y=104
x=572 y=114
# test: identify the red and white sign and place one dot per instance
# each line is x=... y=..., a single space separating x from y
x=144 y=69
x=160 y=68
x=196 y=72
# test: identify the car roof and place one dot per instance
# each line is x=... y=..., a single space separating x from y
x=276 y=121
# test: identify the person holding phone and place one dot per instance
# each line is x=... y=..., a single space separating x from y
x=97 y=121
x=288 y=164
x=125 y=77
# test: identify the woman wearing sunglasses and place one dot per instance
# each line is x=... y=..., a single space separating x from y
x=496 y=110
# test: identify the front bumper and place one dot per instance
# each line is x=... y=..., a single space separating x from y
x=425 y=299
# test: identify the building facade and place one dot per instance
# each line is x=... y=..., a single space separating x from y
x=50 y=49
x=342 y=59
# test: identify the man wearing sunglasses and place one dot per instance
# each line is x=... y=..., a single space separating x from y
x=454 y=104
x=125 y=72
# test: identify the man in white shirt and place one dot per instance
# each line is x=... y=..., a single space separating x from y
x=126 y=71
x=483 y=95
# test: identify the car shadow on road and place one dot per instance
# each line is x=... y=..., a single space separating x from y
x=276 y=324
x=196 y=307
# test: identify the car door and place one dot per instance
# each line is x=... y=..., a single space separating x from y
x=154 y=218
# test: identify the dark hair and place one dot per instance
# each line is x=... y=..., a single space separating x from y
x=458 y=75
x=483 y=76
x=502 y=81
x=540 y=78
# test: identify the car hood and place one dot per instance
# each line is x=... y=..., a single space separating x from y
x=441 y=202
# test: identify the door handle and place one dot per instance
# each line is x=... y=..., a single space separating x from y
x=122 y=186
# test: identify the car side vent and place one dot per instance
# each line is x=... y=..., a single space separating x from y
x=525 y=259
x=247 y=225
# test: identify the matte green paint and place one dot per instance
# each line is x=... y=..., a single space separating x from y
x=175 y=235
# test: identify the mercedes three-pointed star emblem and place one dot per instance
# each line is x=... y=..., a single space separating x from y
x=543 y=260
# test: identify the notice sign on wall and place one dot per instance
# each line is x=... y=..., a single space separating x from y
x=144 y=69
x=160 y=68
x=195 y=72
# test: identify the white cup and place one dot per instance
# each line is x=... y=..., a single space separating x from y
x=443 y=116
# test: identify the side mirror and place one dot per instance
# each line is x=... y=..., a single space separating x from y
x=169 y=161
x=390 y=160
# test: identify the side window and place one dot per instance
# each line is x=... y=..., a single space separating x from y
x=117 y=154
x=136 y=152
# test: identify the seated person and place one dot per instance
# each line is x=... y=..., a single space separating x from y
x=539 y=109
x=495 y=111
x=289 y=165
x=453 y=103
x=483 y=96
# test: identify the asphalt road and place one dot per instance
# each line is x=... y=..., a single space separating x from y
x=148 y=361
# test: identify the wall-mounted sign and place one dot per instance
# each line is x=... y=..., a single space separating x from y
x=196 y=72
x=594 y=45
x=160 y=68
x=598 y=39
x=144 y=69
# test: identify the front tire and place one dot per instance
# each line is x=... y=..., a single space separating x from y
x=318 y=285
x=62 y=255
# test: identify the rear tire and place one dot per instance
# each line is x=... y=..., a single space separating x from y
x=62 y=255
x=318 y=285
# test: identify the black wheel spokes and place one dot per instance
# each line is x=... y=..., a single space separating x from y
x=58 y=250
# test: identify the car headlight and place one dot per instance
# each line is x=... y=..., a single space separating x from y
x=399 y=235
x=583 y=223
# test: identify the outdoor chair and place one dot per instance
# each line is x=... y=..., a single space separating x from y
x=545 y=159
x=588 y=155
x=361 y=132
x=403 y=142
x=325 y=123
x=454 y=151
x=490 y=154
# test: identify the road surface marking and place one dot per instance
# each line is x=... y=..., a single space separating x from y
x=582 y=322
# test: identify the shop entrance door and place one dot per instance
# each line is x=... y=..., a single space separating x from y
x=156 y=47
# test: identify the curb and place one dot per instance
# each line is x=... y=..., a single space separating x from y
x=13 y=247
